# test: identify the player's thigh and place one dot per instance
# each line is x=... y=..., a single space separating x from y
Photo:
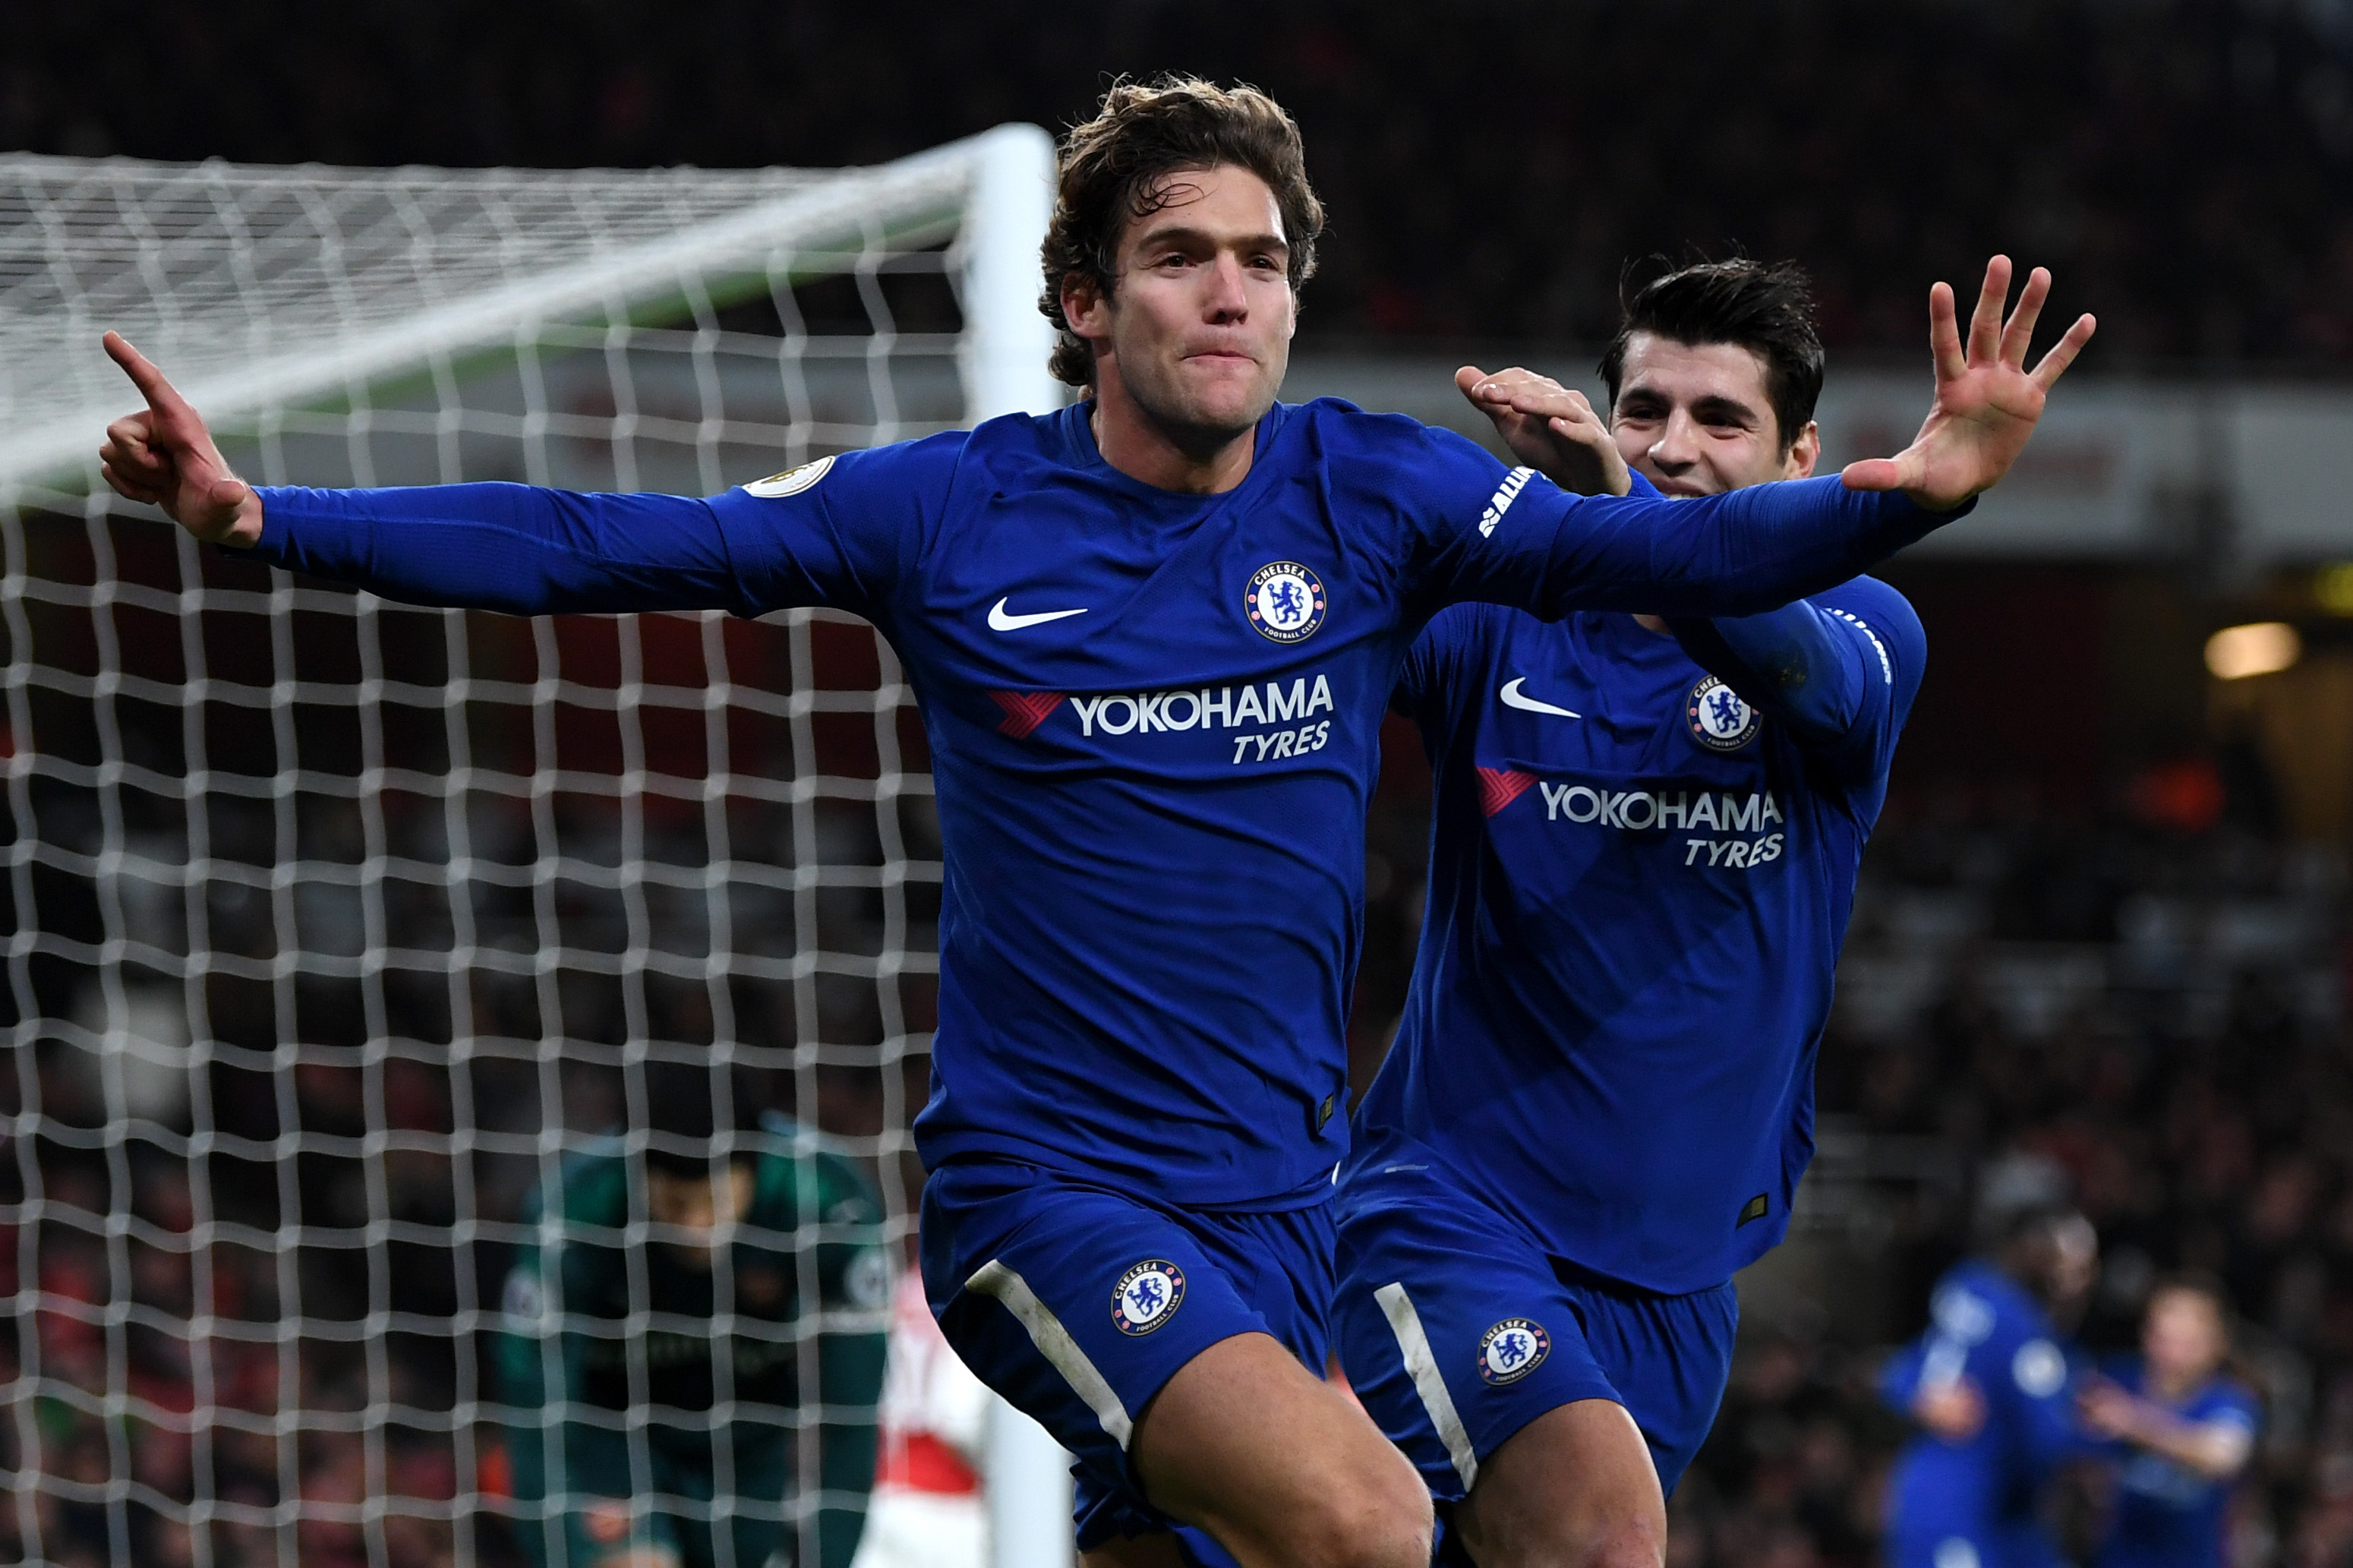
x=1276 y=1464
x=1083 y=1307
x=1574 y=1488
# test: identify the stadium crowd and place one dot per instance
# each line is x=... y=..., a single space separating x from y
x=2173 y=161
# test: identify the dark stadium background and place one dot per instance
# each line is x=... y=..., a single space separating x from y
x=2130 y=911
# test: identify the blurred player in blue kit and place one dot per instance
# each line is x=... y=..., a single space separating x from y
x=1155 y=634
x=1600 y=1098
x=1990 y=1385
x=2182 y=1429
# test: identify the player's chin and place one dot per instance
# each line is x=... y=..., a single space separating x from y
x=1228 y=400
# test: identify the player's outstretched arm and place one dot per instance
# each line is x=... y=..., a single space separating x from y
x=165 y=456
x=514 y=548
x=1986 y=401
x=1549 y=428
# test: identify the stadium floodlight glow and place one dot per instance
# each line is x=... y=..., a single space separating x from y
x=2264 y=647
x=335 y=925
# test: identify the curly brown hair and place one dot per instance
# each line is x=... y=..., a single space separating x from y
x=1108 y=167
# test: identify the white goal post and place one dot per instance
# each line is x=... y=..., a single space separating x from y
x=333 y=925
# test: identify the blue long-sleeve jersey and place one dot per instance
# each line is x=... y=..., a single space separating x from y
x=1153 y=719
x=1642 y=860
x=1985 y=1488
x=2166 y=1514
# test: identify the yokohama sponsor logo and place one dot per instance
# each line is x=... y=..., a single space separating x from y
x=1501 y=502
x=1188 y=707
x=1025 y=710
x=1498 y=787
x=1639 y=811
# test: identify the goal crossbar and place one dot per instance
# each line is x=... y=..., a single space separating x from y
x=57 y=390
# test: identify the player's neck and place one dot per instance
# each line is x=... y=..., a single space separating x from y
x=1652 y=623
x=1144 y=450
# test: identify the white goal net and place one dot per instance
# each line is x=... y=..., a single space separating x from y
x=334 y=926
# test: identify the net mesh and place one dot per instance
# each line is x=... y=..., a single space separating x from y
x=334 y=925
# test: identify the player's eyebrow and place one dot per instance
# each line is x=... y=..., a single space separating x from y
x=1186 y=234
x=1729 y=409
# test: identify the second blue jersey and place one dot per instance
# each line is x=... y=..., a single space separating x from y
x=2168 y=1515
x=1639 y=883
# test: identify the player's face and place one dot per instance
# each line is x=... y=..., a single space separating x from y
x=1695 y=420
x=2181 y=1336
x=700 y=1207
x=1198 y=333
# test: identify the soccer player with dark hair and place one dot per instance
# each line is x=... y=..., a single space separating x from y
x=2182 y=1430
x=638 y=1430
x=1154 y=634
x=1988 y=1385
x=1601 y=1098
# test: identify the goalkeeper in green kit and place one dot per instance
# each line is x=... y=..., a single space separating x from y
x=653 y=1351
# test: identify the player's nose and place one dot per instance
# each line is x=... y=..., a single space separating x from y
x=1227 y=300
x=1678 y=442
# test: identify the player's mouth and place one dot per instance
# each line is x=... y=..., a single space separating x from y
x=1680 y=488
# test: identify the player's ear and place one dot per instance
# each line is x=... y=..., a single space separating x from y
x=1804 y=452
x=1085 y=305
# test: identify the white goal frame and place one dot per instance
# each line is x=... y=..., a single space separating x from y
x=265 y=334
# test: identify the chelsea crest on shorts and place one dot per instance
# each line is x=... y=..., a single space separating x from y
x=1511 y=1350
x=1147 y=1296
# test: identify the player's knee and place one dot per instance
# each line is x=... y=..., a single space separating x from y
x=1362 y=1526
x=1626 y=1545
x=1629 y=1545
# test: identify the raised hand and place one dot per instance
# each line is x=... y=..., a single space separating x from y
x=1550 y=429
x=164 y=454
x=1986 y=400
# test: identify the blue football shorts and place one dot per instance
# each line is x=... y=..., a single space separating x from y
x=1078 y=1303
x=1945 y=1510
x=1457 y=1328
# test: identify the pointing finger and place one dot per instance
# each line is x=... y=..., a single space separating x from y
x=160 y=393
x=2021 y=330
x=1985 y=322
x=1945 y=333
x=2062 y=352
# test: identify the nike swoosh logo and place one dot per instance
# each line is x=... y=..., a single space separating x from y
x=998 y=621
x=1511 y=699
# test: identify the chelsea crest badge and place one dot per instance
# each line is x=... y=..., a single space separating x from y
x=1147 y=1296
x=1285 y=602
x=1720 y=719
x=1511 y=1350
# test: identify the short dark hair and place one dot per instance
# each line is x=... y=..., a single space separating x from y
x=683 y=1116
x=1766 y=308
x=1107 y=167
